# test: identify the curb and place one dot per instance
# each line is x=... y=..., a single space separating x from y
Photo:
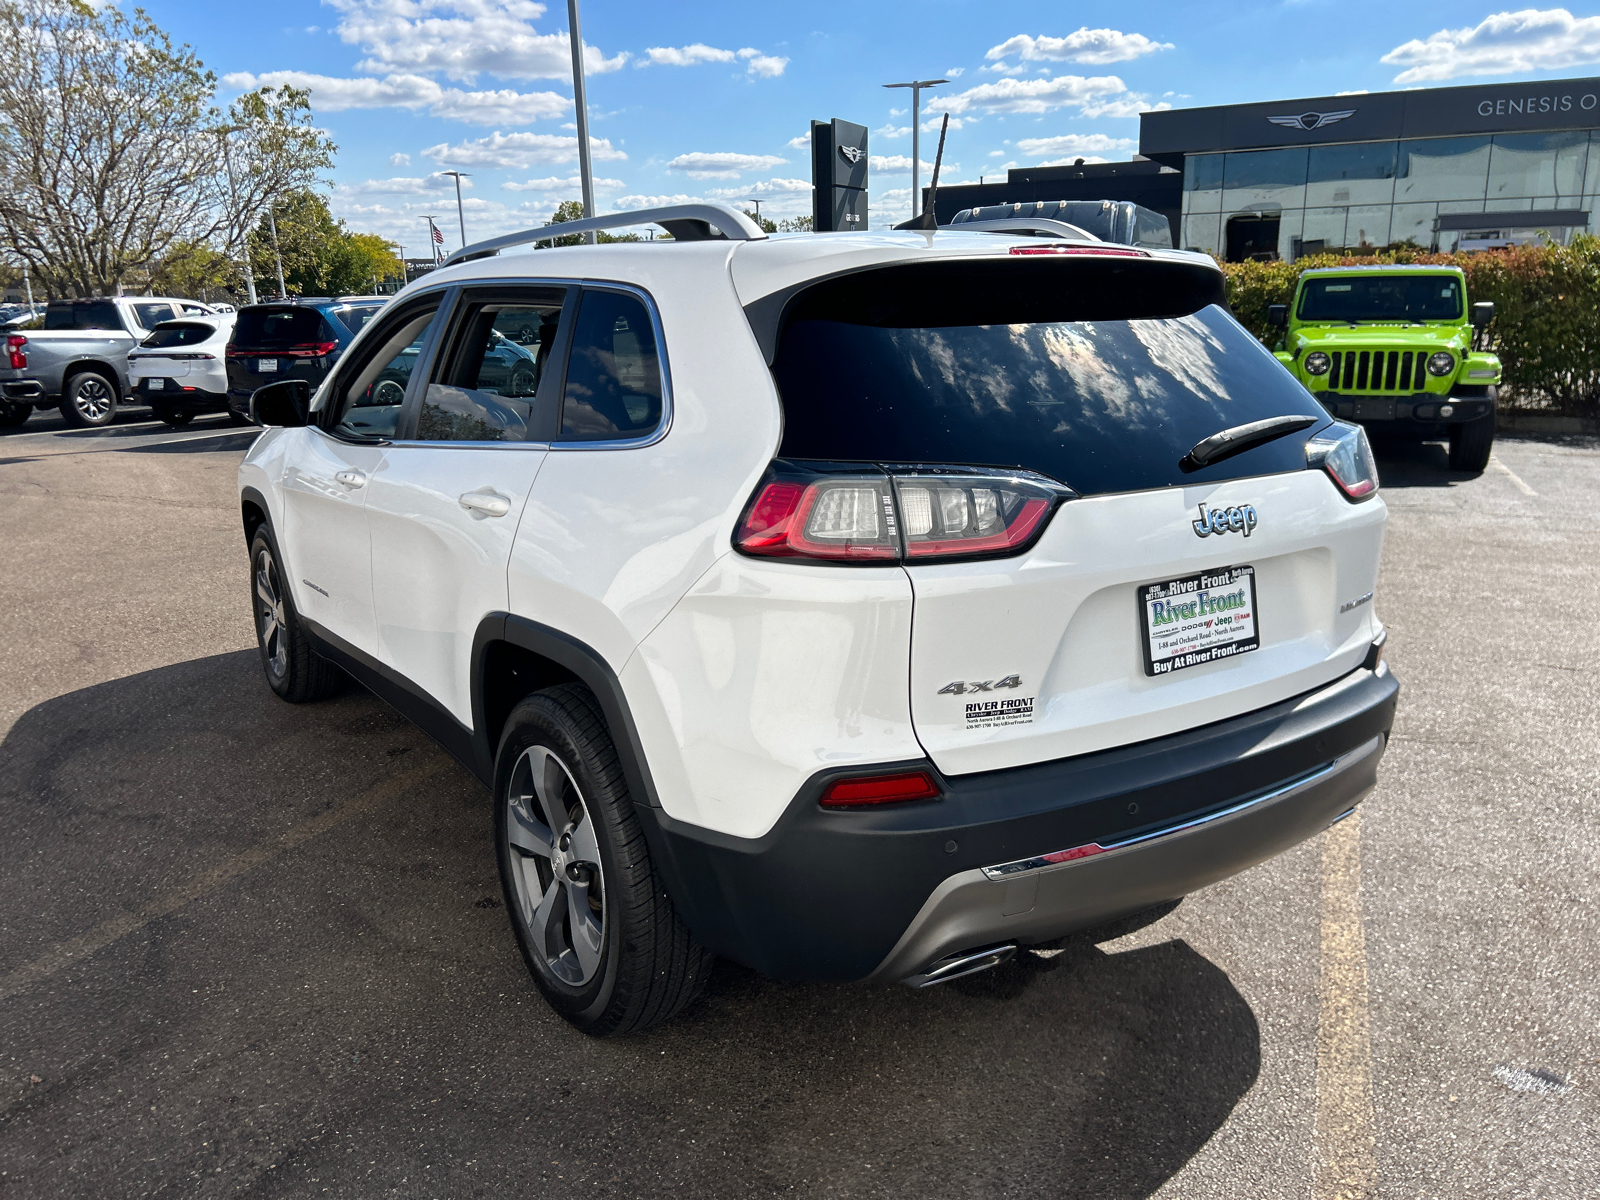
x=1515 y=422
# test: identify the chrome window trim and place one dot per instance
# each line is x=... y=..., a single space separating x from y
x=663 y=427
x=1022 y=866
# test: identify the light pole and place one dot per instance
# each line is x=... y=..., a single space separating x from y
x=433 y=238
x=244 y=237
x=916 y=86
x=460 y=216
x=581 y=106
x=272 y=222
x=757 y=203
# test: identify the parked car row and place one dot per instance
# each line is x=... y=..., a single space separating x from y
x=178 y=357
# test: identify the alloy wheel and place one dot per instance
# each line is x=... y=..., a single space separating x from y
x=271 y=625
x=555 y=867
x=93 y=399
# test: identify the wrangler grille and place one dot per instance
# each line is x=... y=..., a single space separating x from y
x=1378 y=371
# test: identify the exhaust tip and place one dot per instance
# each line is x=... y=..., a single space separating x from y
x=954 y=966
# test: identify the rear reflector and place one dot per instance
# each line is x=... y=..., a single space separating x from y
x=1105 y=251
x=880 y=789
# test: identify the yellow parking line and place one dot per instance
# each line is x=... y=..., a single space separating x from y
x=64 y=954
x=1346 y=1161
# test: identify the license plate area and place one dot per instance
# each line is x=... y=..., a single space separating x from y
x=266 y=366
x=156 y=385
x=1198 y=619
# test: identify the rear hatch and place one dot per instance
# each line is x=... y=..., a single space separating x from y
x=281 y=341
x=167 y=356
x=1156 y=598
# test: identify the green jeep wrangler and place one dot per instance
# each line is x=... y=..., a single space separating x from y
x=1394 y=348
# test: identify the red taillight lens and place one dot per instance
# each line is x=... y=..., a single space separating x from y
x=15 y=350
x=906 y=514
x=880 y=789
x=1345 y=454
x=1117 y=251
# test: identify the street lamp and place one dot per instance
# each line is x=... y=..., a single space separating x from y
x=581 y=106
x=916 y=86
x=757 y=203
x=460 y=216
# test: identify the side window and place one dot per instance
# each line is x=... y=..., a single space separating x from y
x=613 y=371
x=151 y=315
x=370 y=400
x=486 y=389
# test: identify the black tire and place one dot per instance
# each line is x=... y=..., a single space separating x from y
x=630 y=963
x=12 y=415
x=294 y=670
x=237 y=418
x=1470 y=445
x=168 y=417
x=89 y=401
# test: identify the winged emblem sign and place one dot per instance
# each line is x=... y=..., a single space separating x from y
x=851 y=154
x=1312 y=120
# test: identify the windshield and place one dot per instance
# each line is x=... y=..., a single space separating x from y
x=175 y=334
x=1103 y=405
x=1382 y=298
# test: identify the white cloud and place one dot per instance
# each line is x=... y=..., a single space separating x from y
x=891 y=130
x=1001 y=68
x=900 y=164
x=628 y=203
x=803 y=142
x=1070 y=145
x=399 y=160
x=700 y=165
x=333 y=94
x=462 y=38
x=1130 y=105
x=768 y=66
x=1094 y=46
x=518 y=150
x=766 y=187
x=1354 y=92
x=1532 y=39
x=997 y=154
x=402 y=186
x=934 y=124
x=557 y=183
x=756 y=63
x=1036 y=95
x=955 y=72
x=684 y=56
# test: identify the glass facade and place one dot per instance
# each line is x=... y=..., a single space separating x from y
x=1373 y=194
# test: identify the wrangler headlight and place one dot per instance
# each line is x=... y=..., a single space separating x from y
x=1441 y=363
x=1317 y=363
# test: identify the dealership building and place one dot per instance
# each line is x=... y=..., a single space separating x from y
x=1443 y=168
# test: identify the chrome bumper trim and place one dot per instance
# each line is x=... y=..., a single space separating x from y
x=1094 y=849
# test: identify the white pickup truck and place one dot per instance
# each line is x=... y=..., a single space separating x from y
x=79 y=359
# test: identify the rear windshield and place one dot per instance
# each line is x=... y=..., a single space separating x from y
x=354 y=316
x=1382 y=298
x=177 y=334
x=1098 y=374
x=274 y=328
x=89 y=314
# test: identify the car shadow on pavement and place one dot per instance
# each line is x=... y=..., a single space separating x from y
x=352 y=1013
x=1406 y=464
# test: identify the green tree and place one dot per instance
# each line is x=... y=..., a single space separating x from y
x=269 y=148
x=766 y=225
x=321 y=257
x=795 y=225
x=572 y=210
x=197 y=269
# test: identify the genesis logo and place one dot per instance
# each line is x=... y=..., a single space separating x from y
x=851 y=154
x=1241 y=519
x=1312 y=120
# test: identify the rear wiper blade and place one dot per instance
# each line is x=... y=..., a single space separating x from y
x=1241 y=438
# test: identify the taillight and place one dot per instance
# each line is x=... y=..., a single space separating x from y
x=1106 y=251
x=314 y=349
x=879 y=789
x=1345 y=454
x=894 y=514
x=15 y=344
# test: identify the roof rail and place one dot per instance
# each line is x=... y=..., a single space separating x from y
x=685 y=222
x=1041 y=226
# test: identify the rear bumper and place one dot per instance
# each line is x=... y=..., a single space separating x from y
x=30 y=391
x=196 y=400
x=854 y=895
x=1420 y=412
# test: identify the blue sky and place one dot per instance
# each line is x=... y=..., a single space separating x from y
x=711 y=100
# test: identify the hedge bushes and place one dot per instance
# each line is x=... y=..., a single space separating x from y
x=1547 y=312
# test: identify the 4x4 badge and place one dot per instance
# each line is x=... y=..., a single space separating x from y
x=1240 y=519
x=961 y=686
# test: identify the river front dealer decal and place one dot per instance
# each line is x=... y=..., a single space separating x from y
x=1198 y=619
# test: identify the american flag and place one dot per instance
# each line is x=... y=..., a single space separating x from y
x=438 y=242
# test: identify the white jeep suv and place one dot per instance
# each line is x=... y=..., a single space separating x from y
x=856 y=606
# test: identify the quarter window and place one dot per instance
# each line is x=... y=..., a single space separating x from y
x=613 y=387
x=371 y=401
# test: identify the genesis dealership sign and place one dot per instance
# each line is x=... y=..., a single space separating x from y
x=1426 y=113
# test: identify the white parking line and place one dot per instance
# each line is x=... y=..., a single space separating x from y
x=1516 y=480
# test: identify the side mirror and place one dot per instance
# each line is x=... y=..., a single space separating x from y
x=287 y=403
x=1482 y=314
x=1278 y=314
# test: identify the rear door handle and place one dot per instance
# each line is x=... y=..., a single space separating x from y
x=490 y=504
x=352 y=479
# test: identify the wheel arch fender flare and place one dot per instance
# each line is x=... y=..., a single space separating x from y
x=99 y=366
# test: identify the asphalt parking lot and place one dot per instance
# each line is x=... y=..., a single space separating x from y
x=250 y=949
